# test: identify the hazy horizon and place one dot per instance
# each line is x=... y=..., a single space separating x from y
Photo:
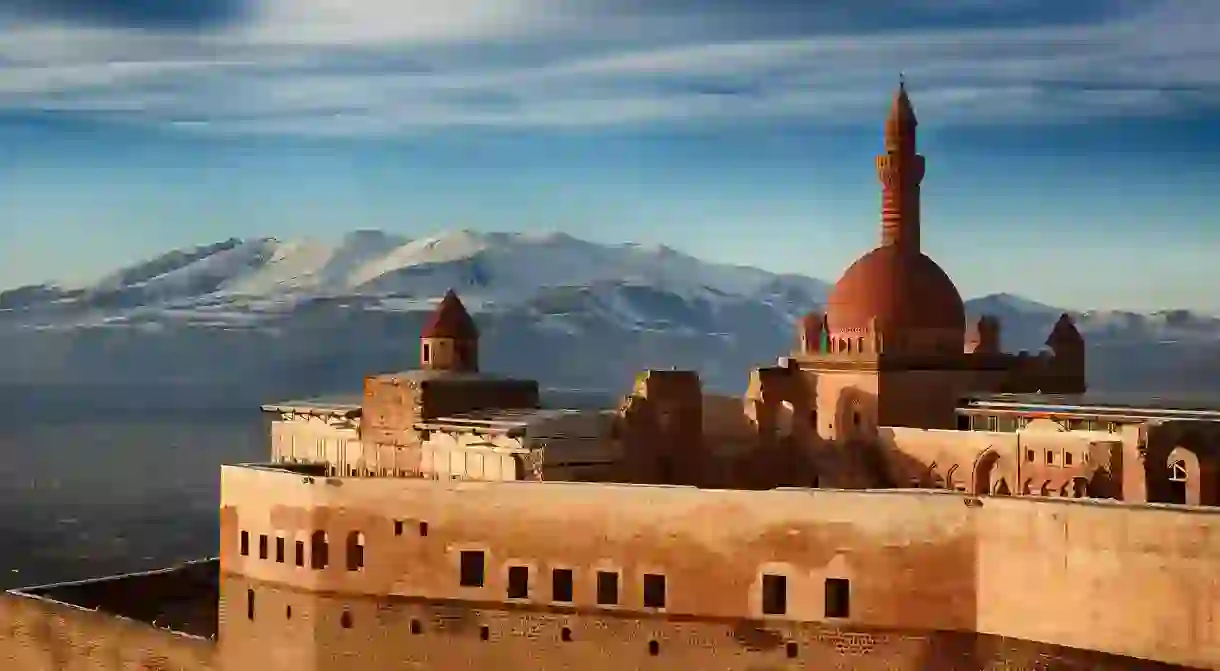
x=1071 y=147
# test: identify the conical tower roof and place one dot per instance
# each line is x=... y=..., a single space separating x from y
x=450 y=320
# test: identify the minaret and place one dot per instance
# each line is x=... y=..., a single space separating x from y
x=900 y=170
x=450 y=339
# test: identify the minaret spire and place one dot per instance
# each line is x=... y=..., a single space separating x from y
x=900 y=170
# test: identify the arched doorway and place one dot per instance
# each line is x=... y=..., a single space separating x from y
x=984 y=467
x=1179 y=478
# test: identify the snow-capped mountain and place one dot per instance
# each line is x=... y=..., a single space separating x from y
x=291 y=317
x=490 y=270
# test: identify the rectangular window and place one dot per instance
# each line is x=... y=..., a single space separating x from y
x=654 y=590
x=518 y=582
x=279 y=550
x=471 y=568
x=561 y=585
x=838 y=597
x=1050 y=457
x=300 y=553
x=262 y=546
x=607 y=588
x=993 y=423
x=1067 y=458
x=250 y=604
x=397 y=527
x=1029 y=456
x=963 y=422
x=245 y=543
x=774 y=594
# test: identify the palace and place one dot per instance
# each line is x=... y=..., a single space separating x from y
x=897 y=493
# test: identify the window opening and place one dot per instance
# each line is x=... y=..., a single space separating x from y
x=471 y=568
x=654 y=590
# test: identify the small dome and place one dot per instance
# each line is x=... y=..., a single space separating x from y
x=450 y=320
x=900 y=288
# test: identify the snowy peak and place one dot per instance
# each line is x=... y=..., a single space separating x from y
x=540 y=273
x=488 y=269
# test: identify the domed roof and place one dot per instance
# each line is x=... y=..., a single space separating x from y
x=901 y=288
x=450 y=320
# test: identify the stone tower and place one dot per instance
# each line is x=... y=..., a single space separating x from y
x=895 y=324
x=450 y=339
x=901 y=171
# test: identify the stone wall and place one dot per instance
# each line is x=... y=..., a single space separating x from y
x=347 y=633
x=1127 y=580
x=38 y=634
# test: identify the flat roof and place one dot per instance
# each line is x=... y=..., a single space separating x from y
x=350 y=404
x=339 y=405
x=182 y=598
x=1103 y=404
x=505 y=420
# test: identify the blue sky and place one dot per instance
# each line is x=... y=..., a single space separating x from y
x=1072 y=146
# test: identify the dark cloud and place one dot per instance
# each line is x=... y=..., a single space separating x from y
x=144 y=14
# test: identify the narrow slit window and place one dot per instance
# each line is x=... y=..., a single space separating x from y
x=245 y=543
x=262 y=546
x=279 y=549
x=300 y=553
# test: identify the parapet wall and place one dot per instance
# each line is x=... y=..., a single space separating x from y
x=39 y=634
x=1120 y=579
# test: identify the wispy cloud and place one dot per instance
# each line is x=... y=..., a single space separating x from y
x=399 y=66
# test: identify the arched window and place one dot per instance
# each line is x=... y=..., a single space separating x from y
x=318 y=550
x=355 y=551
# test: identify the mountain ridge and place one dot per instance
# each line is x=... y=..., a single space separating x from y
x=297 y=316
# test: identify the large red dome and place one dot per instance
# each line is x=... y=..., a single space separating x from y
x=900 y=288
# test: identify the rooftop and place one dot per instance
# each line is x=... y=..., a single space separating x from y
x=181 y=598
x=691 y=490
x=506 y=420
x=349 y=404
x=1111 y=404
